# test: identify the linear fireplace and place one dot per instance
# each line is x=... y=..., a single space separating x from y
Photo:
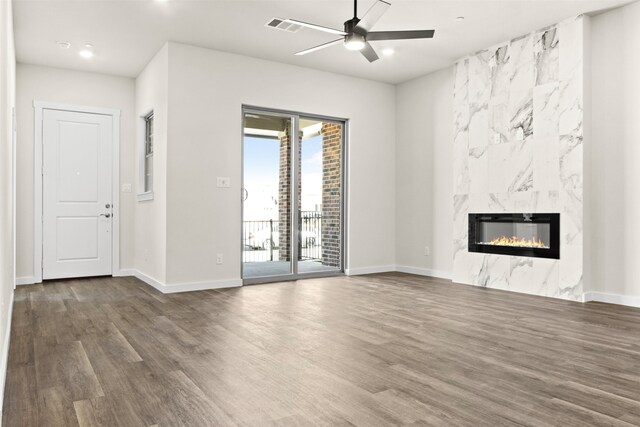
x=522 y=234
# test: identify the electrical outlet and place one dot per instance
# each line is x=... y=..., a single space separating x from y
x=224 y=182
x=126 y=188
x=219 y=259
x=427 y=251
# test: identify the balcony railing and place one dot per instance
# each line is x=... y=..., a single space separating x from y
x=261 y=239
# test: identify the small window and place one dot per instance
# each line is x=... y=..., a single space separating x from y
x=148 y=153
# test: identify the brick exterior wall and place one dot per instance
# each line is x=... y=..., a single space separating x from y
x=331 y=193
x=284 y=197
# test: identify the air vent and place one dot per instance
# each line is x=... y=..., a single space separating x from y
x=282 y=24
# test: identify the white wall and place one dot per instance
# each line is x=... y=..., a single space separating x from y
x=424 y=179
x=151 y=215
x=38 y=83
x=206 y=92
x=588 y=178
x=7 y=254
x=615 y=151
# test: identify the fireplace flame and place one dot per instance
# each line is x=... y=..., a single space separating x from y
x=517 y=241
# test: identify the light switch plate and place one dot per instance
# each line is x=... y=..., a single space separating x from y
x=224 y=182
x=126 y=188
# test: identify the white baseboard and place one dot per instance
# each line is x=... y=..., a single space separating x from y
x=162 y=287
x=25 y=280
x=187 y=287
x=628 y=300
x=369 y=270
x=148 y=280
x=424 y=272
x=5 y=351
x=124 y=272
x=399 y=268
x=32 y=280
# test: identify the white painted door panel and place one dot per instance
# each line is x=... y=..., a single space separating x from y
x=76 y=202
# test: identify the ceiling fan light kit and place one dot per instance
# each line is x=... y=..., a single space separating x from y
x=354 y=41
x=357 y=35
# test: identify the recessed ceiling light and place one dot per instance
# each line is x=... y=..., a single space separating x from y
x=388 y=51
x=85 y=54
x=88 y=45
x=63 y=44
x=460 y=18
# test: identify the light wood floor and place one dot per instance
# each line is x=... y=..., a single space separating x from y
x=389 y=349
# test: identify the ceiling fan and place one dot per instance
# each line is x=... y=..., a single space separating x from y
x=357 y=35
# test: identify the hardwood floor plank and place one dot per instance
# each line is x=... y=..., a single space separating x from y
x=383 y=349
x=55 y=408
x=65 y=369
x=93 y=413
x=20 y=408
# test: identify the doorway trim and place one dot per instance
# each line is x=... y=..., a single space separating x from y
x=296 y=115
x=39 y=107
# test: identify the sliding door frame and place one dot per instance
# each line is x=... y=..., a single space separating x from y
x=296 y=141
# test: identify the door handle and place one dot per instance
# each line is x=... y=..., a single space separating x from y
x=108 y=215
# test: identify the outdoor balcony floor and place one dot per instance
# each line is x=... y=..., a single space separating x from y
x=281 y=268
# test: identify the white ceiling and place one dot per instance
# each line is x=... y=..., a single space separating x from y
x=126 y=34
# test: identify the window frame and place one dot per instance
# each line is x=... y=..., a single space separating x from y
x=146 y=157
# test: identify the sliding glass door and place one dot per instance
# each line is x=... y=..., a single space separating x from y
x=266 y=209
x=293 y=194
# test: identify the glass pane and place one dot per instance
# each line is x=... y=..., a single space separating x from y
x=320 y=210
x=266 y=223
x=148 y=176
x=528 y=235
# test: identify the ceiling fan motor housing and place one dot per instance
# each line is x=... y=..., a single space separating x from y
x=350 y=27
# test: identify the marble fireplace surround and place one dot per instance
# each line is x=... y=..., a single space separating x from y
x=518 y=147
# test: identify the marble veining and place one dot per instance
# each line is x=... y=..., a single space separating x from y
x=522 y=60
x=518 y=147
x=546 y=53
x=546 y=164
x=479 y=84
x=545 y=110
x=500 y=65
x=571 y=169
x=521 y=115
x=521 y=162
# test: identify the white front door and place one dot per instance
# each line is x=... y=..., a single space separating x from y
x=76 y=194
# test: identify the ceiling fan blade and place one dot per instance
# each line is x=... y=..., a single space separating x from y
x=316 y=27
x=320 y=46
x=400 y=35
x=369 y=53
x=372 y=16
